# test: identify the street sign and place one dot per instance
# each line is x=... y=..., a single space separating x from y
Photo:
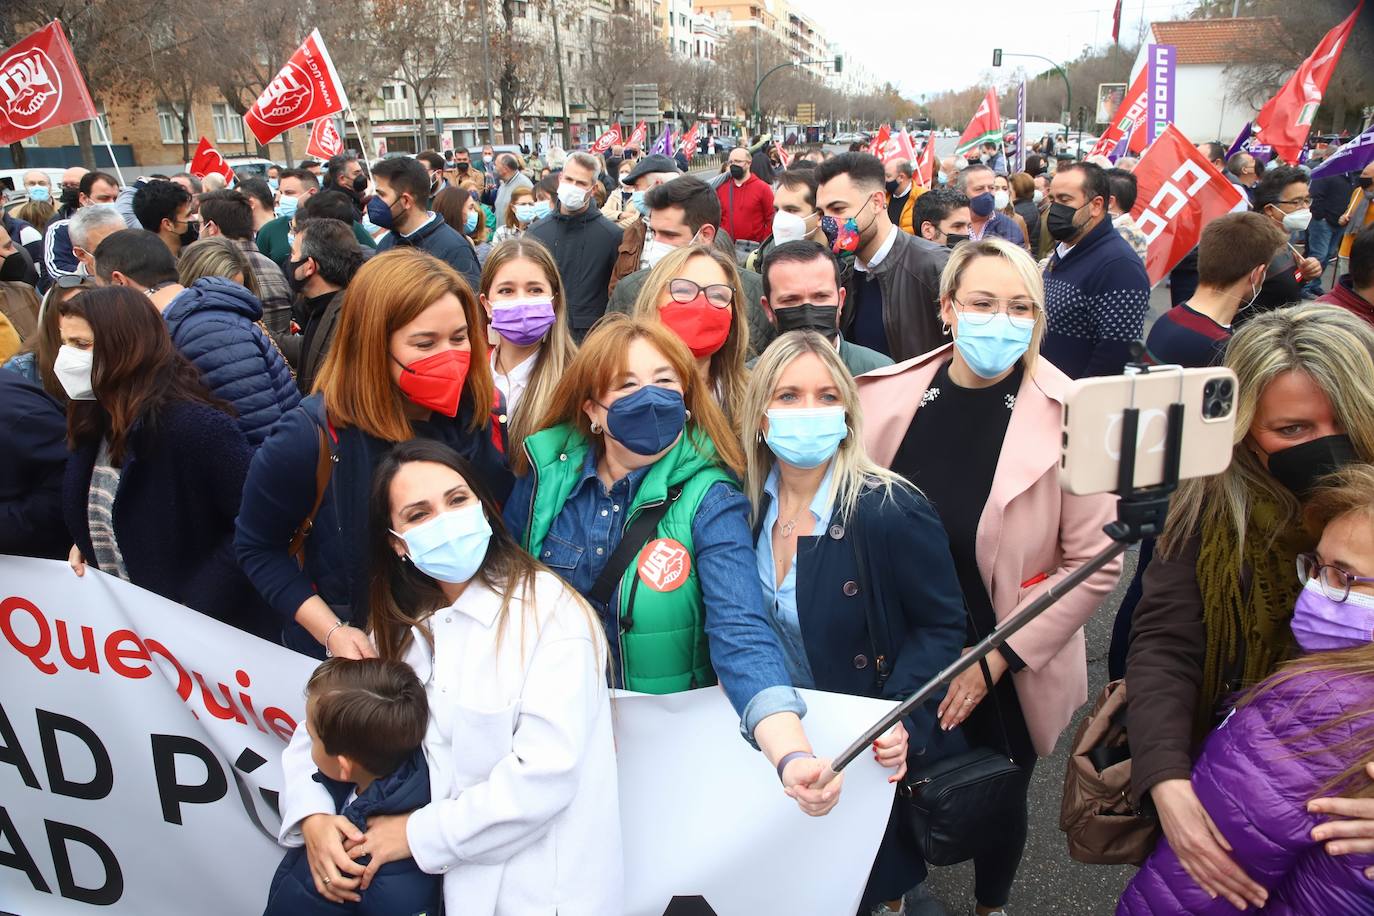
x=642 y=103
x=806 y=112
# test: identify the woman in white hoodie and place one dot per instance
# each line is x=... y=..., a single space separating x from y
x=524 y=817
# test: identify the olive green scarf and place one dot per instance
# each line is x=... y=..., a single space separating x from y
x=1253 y=621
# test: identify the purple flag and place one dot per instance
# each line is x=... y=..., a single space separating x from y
x=1161 y=89
x=1242 y=139
x=664 y=144
x=1351 y=157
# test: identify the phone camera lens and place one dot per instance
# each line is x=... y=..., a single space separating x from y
x=1210 y=389
x=1227 y=388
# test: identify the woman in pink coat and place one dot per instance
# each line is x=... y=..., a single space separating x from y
x=976 y=426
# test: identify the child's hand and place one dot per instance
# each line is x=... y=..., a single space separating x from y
x=330 y=865
x=385 y=841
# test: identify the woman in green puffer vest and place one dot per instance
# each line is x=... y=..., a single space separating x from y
x=634 y=447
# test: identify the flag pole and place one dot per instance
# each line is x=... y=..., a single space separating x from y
x=362 y=144
x=105 y=136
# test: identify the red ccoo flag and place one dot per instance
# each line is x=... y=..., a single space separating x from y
x=1285 y=119
x=688 y=144
x=985 y=126
x=41 y=86
x=306 y=88
x=207 y=160
x=607 y=140
x=325 y=141
x=1116 y=23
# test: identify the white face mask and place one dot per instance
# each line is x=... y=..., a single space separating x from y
x=73 y=368
x=570 y=196
x=960 y=163
x=1039 y=196
x=788 y=227
x=1000 y=199
x=1298 y=220
x=655 y=251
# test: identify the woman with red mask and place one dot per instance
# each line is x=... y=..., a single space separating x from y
x=404 y=365
x=696 y=292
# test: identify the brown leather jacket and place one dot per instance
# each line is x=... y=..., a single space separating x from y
x=627 y=255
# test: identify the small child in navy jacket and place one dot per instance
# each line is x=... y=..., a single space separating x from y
x=367 y=721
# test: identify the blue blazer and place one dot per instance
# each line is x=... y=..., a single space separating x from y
x=399 y=888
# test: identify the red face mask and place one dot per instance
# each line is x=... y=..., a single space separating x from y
x=701 y=326
x=437 y=381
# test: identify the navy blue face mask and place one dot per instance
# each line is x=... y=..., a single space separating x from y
x=647 y=421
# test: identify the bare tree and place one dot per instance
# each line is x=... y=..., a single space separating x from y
x=353 y=33
x=523 y=66
x=423 y=58
x=250 y=47
x=628 y=52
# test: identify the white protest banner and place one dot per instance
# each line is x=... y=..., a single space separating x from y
x=139 y=774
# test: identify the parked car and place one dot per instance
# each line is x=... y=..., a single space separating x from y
x=12 y=179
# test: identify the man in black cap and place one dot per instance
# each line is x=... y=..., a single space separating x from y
x=648 y=173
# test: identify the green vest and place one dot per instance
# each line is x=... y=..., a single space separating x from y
x=663 y=646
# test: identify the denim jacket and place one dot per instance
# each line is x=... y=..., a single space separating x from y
x=744 y=648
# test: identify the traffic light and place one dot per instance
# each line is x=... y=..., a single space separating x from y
x=839 y=63
x=997 y=57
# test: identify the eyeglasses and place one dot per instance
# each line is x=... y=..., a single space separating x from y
x=719 y=295
x=74 y=281
x=1297 y=201
x=979 y=311
x=1334 y=581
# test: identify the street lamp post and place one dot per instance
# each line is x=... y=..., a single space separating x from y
x=1068 y=91
x=486 y=74
x=827 y=61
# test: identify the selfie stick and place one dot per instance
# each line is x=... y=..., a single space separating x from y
x=1140 y=514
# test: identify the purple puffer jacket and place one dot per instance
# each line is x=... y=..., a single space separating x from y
x=1255 y=776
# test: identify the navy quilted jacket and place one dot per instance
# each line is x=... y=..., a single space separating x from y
x=399 y=888
x=1255 y=776
x=216 y=325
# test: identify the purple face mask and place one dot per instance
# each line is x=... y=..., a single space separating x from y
x=522 y=321
x=1320 y=624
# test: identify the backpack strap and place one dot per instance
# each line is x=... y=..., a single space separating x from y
x=324 y=470
x=636 y=535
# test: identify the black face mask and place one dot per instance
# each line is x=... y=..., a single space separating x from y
x=954 y=238
x=1060 y=222
x=191 y=234
x=70 y=196
x=14 y=268
x=297 y=285
x=1301 y=467
x=891 y=186
x=360 y=184
x=461 y=166
x=737 y=172
x=823 y=319
x=1365 y=182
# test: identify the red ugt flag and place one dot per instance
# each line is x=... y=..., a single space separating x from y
x=1179 y=192
x=208 y=160
x=1284 y=120
x=41 y=86
x=638 y=137
x=688 y=144
x=306 y=88
x=783 y=156
x=325 y=141
x=925 y=163
x=875 y=146
x=607 y=140
x=985 y=125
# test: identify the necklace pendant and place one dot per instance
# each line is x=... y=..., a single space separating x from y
x=788 y=528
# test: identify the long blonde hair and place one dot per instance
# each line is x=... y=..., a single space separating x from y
x=557 y=350
x=1329 y=345
x=214 y=256
x=727 y=373
x=965 y=253
x=853 y=469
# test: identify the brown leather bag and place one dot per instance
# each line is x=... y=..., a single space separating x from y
x=324 y=469
x=1103 y=825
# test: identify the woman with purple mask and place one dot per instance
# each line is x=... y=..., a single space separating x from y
x=528 y=331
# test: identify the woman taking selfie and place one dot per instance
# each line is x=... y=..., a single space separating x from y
x=157 y=464
x=695 y=291
x=853 y=563
x=523 y=814
x=531 y=347
x=995 y=409
x=1218 y=596
x=634 y=452
x=403 y=365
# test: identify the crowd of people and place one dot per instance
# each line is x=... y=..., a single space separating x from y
x=491 y=435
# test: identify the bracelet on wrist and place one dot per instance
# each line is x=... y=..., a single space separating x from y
x=788 y=758
x=338 y=623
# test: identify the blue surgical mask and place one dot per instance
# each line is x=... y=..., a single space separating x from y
x=637 y=200
x=982 y=204
x=39 y=193
x=286 y=206
x=450 y=547
x=470 y=223
x=273 y=183
x=806 y=437
x=524 y=212
x=991 y=348
x=380 y=213
x=647 y=421
x=542 y=209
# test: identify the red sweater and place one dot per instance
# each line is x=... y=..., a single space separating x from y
x=1344 y=295
x=746 y=211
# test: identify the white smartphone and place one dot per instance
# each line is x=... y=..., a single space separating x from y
x=1093 y=412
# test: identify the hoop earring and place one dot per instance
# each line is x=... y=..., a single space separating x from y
x=944 y=329
x=688 y=411
x=596 y=428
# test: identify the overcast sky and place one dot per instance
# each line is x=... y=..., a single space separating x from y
x=926 y=47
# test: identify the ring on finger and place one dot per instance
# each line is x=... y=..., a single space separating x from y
x=327 y=879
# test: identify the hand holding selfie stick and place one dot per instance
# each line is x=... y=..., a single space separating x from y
x=1140 y=514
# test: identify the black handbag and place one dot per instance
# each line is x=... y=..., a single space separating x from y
x=951 y=806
